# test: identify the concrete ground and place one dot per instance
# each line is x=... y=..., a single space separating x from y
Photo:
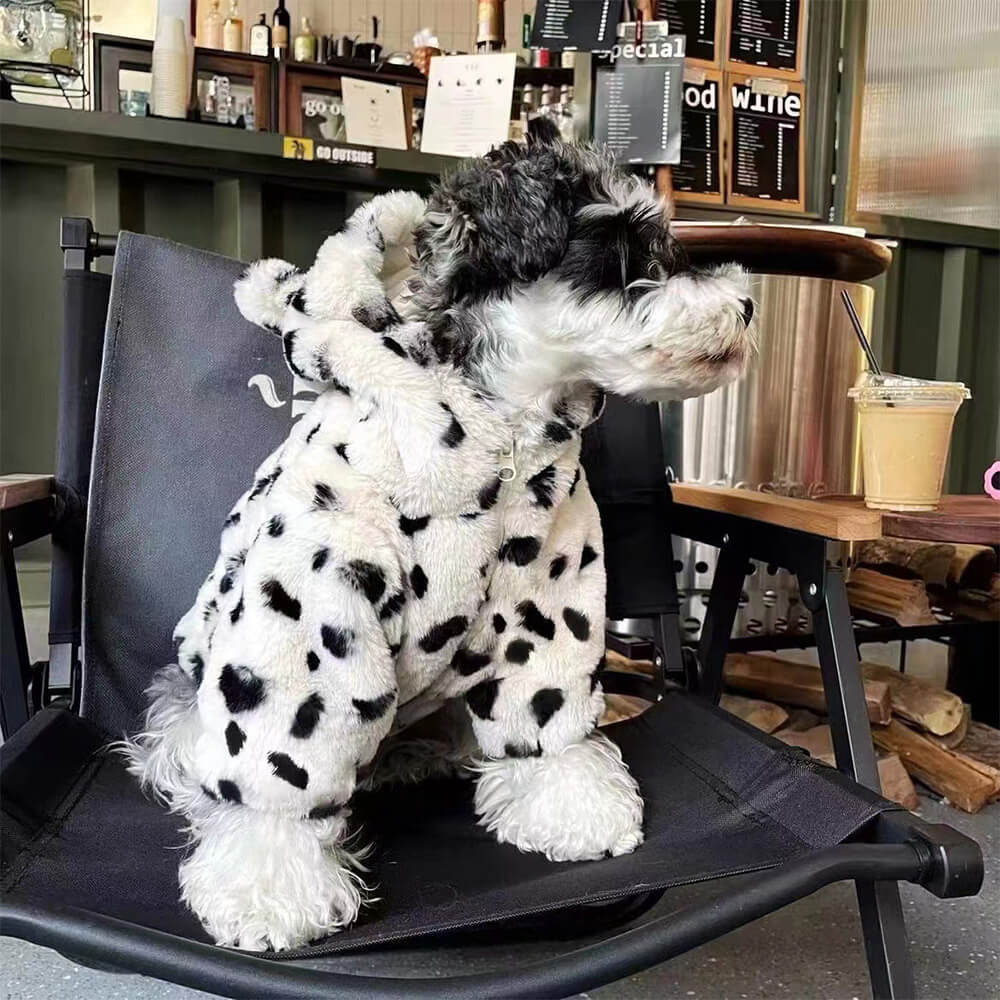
x=811 y=949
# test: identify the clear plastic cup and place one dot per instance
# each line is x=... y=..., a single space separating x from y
x=905 y=434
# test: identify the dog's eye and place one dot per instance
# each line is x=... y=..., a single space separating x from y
x=656 y=270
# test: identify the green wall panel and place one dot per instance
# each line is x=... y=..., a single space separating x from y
x=32 y=199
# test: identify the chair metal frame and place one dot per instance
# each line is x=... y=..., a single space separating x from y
x=898 y=846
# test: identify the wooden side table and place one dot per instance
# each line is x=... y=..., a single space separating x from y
x=974 y=658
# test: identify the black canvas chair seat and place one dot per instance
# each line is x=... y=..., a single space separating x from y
x=90 y=866
x=720 y=799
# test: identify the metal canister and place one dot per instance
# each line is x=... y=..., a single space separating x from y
x=788 y=427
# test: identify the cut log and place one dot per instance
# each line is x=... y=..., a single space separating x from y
x=982 y=743
x=796 y=684
x=953 y=739
x=929 y=706
x=762 y=715
x=905 y=601
x=818 y=741
x=896 y=783
x=801 y=719
x=616 y=661
x=942 y=770
x=983 y=605
x=986 y=770
x=929 y=560
x=972 y=566
x=619 y=707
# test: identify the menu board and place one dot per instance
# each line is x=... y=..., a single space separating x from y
x=766 y=164
x=373 y=114
x=467 y=111
x=698 y=176
x=769 y=34
x=575 y=25
x=637 y=100
x=700 y=23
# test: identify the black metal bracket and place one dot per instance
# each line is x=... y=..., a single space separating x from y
x=81 y=245
x=953 y=865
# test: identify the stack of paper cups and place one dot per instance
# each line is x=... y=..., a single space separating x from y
x=171 y=78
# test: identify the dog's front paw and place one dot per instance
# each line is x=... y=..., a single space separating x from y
x=261 y=881
x=262 y=291
x=577 y=805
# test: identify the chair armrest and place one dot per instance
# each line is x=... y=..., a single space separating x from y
x=28 y=509
x=839 y=521
x=19 y=489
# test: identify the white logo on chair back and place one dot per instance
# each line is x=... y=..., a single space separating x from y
x=265 y=385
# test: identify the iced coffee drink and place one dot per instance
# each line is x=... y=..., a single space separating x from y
x=905 y=433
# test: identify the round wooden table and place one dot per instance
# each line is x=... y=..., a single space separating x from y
x=803 y=251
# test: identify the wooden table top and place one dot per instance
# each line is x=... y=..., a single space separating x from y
x=799 y=250
x=974 y=520
x=845 y=522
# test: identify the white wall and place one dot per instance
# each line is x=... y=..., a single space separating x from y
x=454 y=21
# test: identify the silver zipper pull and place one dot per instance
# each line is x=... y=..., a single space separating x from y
x=507 y=470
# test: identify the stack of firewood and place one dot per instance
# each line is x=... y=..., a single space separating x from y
x=893 y=576
x=922 y=731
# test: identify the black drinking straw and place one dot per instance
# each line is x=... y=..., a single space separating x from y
x=856 y=323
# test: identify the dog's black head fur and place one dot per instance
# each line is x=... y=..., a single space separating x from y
x=526 y=209
x=566 y=220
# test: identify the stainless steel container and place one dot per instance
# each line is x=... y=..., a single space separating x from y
x=788 y=428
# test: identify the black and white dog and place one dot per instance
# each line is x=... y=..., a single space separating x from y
x=425 y=538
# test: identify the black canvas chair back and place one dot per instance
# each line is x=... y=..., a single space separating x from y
x=179 y=432
x=187 y=411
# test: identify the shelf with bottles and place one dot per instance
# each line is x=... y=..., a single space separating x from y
x=229 y=88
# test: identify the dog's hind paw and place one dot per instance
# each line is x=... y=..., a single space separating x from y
x=577 y=805
x=264 y=882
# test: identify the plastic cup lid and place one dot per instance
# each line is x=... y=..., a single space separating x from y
x=888 y=387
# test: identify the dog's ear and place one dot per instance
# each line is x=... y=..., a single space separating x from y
x=543 y=131
x=496 y=221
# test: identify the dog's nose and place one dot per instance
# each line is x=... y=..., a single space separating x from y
x=747 y=311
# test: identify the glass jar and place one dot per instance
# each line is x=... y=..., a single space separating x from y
x=47 y=32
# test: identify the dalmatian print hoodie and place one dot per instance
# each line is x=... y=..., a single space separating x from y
x=406 y=545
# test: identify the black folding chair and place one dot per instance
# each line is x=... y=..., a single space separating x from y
x=88 y=867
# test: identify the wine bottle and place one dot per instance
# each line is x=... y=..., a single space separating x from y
x=211 y=27
x=489 y=26
x=260 y=38
x=232 y=32
x=281 y=25
x=304 y=48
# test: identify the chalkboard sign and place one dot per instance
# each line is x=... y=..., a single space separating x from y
x=575 y=25
x=698 y=176
x=769 y=34
x=700 y=23
x=766 y=163
x=637 y=100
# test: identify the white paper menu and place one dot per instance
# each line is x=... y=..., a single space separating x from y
x=468 y=104
x=373 y=114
